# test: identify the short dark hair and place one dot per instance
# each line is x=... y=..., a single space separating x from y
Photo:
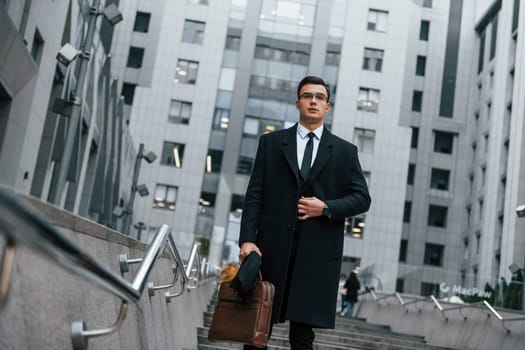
x=310 y=79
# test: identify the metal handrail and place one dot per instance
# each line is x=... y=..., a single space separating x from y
x=443 y=310
x=22 y=225
x=399 y=298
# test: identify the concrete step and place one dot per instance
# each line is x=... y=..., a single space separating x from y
x=357 y=341
x=344 y=324
x=276 y=343
x=349 y=334
x=341 y=336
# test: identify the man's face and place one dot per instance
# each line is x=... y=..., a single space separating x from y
x=312 y=104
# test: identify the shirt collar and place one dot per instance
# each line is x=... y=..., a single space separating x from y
x=303 y=131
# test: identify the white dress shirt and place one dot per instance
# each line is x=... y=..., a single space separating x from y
x=302 y=139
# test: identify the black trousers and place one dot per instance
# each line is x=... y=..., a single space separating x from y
x=301 y=335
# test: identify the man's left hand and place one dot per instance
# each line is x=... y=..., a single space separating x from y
x=309 y=207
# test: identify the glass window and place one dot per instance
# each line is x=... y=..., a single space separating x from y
x=421 y=65
x=165 y=197
x=257 y=127
x=206 y=202
x=481 y=57
x=428 y=289
x=411 y=173
x=403 y=250
x=415 y=137
x=244 y=165
x=493 y=37
x=377 y=20
x=38 y=47
x=417 y=101
x=213 y=161
x=186 y=72
x=368 y=99
x=407 y=212
x=373 y=59
x=221 y=118
x=180 y=112
x=141 y=22
x=128 y=91
x=227 y=80
x=364 y=139
x=251 y=126
x=355 y=226
x=443 y=142
x=439 y=179
x=237 y=203
x=193 y=32
x=424 y=29
x=400 y=285
x=172 y=154
x=515 y=15
x=233 y=42
x=434 y=254
x=135 y=57
x=224 y=99
x=427 y=3
x=333 y=58
x=437 y=216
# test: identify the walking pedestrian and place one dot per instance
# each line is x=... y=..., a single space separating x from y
x=352 y=287
x=304 y=183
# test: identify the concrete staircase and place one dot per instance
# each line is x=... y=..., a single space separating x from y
x=349 y=334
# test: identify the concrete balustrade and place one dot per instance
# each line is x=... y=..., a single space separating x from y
x=45 y=299
x=478 y=332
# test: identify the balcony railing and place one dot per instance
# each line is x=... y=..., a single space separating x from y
x=23 y=226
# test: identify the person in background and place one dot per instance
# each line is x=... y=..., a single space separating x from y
x=352 y=286
x=304 y=183
x=342 y=293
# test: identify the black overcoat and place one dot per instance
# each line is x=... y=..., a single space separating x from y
x=270 y=215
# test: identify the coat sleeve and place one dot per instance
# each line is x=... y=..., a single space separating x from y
x=254 y=197
x=357 y=199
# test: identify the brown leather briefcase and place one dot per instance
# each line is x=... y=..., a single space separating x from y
x=247 y=320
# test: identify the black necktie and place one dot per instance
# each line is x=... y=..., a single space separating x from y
x=307 y=157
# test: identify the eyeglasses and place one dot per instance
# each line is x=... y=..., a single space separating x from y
x=309 y=96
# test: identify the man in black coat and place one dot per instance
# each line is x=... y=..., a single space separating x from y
x=304 y=183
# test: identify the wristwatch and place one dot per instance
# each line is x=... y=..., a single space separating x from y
x=326 y=211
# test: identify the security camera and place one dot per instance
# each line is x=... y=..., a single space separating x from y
x=142 y=190
x=112 y=14
x=520 y=211
x=514 y=268
x=150 y=157
x=67 y=54
x=119 y=211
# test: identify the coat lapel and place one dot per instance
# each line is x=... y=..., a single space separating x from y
x=323 y=155
x=289 y=146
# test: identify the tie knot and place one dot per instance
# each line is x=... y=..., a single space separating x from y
x=310 y=135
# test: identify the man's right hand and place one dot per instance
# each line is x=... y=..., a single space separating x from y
x=246 y=249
